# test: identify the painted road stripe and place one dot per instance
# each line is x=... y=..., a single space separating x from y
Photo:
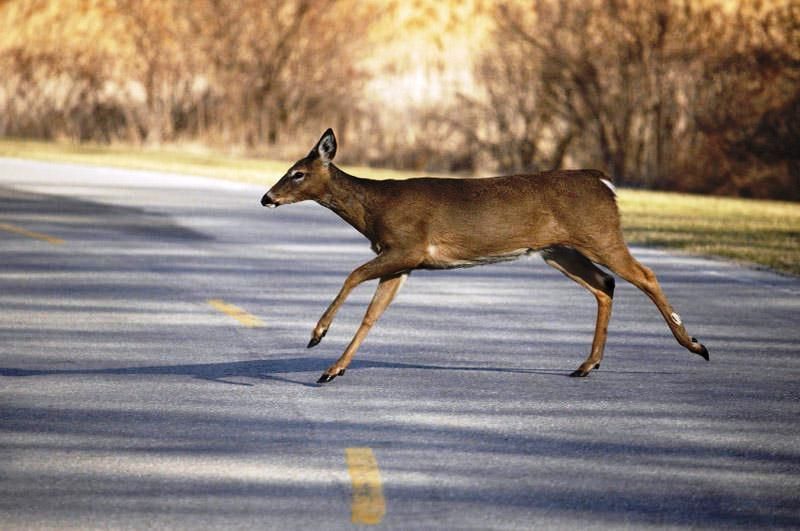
x=246 y=319
x=31 y=234
x=368 y=506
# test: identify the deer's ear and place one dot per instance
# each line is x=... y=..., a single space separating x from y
x=325 y=148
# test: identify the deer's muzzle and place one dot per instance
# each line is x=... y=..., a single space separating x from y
x=267 y=201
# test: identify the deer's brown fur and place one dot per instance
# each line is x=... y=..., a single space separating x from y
x=429 y=223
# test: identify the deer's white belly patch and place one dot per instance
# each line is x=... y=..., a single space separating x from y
x=436 y=258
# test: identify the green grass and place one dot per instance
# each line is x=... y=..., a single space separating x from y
x=766 y=233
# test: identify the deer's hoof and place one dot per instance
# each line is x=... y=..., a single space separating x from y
x=579 y=373
x=701 y=349
x=704 y=352
x=597 y=366
x=316 y=338
x=325 y=378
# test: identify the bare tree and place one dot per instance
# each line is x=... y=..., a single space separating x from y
x=612 y=70
x=508 y=120
x=237 y=72
x=679 y=94
x=276 y=62
x=747 y=113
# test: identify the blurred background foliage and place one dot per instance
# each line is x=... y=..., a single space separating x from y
x=688 y=95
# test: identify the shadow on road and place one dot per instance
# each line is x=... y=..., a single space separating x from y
x=261 y=369
x=154 y=436
x=67 y=214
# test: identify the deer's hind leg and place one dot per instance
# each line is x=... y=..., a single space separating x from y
x=619 y=259
x=580 y=269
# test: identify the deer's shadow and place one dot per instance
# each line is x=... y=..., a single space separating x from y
x=265 y=369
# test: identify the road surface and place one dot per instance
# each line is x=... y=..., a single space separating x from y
x=153 y=374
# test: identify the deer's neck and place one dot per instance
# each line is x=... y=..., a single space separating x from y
x=350 y=198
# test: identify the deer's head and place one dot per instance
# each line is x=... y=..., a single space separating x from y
x=307 y=178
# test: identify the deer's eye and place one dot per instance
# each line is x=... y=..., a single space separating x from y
x=298 y=176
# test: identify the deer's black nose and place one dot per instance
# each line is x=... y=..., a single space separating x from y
x=267 y=201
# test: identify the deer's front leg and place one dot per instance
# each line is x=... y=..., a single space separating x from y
x=385 y=264
x=384 y=294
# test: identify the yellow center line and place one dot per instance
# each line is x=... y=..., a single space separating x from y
x=368 y=505
x=30 y=234
x=245 y=318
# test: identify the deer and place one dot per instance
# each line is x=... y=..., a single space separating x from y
x=570 y=217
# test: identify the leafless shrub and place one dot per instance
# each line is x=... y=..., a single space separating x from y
x=678 y=94
x=152 y=71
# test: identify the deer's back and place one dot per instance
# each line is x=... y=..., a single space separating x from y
x=498 y=215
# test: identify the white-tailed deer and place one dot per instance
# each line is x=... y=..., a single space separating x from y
x=571 y=217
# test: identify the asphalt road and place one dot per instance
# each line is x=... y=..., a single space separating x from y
x=128 y=401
